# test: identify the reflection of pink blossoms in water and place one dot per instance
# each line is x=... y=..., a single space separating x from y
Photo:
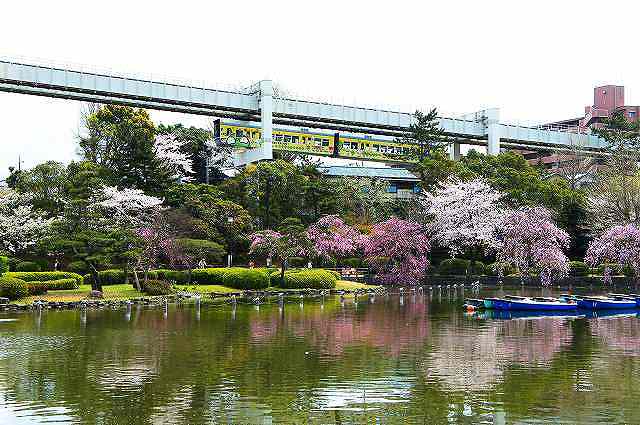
x=476 y=358
x=332 y=238
x=397 y=250
x=333 y=333
x=620 y=244
x=530 y=239
x=619 y=333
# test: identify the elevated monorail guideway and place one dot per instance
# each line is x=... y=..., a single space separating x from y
x=259 y=105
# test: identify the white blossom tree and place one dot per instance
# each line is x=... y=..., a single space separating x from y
x=126 y=208
x=464 y=216
x=169 y=151
x=21 y=226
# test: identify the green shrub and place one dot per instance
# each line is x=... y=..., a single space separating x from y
x=241 y=278
x=213 y=276
x=578 y=268
x=117 y=277
x=61 y=284
x=4 y=265
x=308 y=278
x=212 y=252
x=79 y=267
x=177 y=276
x=616 y=269
x=37 y=288
x=351 y=262
x=28 y=266
x=46 y=276
x=298 y=262
x=13 y=288
x=13 y=262
x=491 y=270
x=157 y=287
x=453 y=267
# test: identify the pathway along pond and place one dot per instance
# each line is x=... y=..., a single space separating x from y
x=412 y=359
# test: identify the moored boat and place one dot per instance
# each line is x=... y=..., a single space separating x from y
x=606 y=303
x=535 y=304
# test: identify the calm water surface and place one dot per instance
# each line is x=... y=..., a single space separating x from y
x=411 y=359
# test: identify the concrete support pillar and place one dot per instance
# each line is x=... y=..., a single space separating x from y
x=454 y=151
x=494 y=131
x=266 y=117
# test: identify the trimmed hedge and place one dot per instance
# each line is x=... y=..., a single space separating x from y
x=13 y=288
x=578 y=268
x=45 y=276
x=4 y=265
x=61 y=284
x=213 y=276
x=28 y=266
x=246 y=278
x=157 y=287
x=177 y=276
x=305 y=278
x=298 y=262
x=616 y=270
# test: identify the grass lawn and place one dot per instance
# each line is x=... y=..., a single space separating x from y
x=124 y=292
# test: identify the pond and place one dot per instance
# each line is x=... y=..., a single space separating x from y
x=416 y=358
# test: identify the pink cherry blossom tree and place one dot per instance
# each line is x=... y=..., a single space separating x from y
x=397 y=250
x=619 y=244
x=21 y=226
x=464 y=216
x=332 y=238
x=169 y=150
x=530 y=239
x=281 y=246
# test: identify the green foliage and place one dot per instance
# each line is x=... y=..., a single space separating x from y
x=297 y=262
x=46 y=276
x=212 y=276
x=13 y=288
x=241 y=278
x=305 y=279
x=79 y=267
x=121 y=140
x=61 y=284
x=28 y=266
x=13 y=262
x=116 y=277
x=351 y=262
x=273 y=190
x=46 y=183
x=453 y=267
x=212 y=252
x=616 y=270
x=578 y=268
x=4 y=265
x=157 y=287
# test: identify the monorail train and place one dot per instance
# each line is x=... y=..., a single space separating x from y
x=316 y=142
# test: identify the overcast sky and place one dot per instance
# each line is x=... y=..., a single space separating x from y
x=536 y=60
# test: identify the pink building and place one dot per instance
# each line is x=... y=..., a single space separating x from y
x=607 y=99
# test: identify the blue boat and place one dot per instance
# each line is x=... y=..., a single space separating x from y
x=533 y=304
x=606 y=303
x=529 y=314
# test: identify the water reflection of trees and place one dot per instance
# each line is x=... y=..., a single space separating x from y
x=299 y=364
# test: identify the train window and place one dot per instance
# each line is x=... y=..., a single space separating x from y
x=287 y=138
x=278 y=137
x=294 y=139
x=354 y=145
x=325 y=142
x=238 y=132
x=229 y=132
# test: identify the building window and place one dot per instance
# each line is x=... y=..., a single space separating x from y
x=393 y=188
x=632 y=114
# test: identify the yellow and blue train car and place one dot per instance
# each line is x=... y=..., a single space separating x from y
x=314 y=142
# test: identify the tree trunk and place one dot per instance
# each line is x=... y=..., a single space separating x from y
x=126 y=273
x=283 y=268
x=137 y=281
x=97 y=283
